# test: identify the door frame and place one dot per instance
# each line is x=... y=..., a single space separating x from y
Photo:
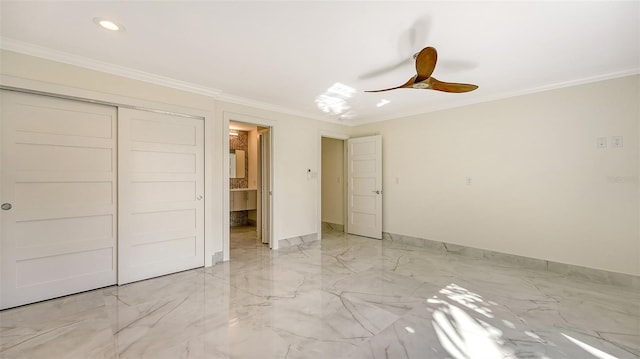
x=344 y=138
x=211 y=197
x=264 y=179
x=252 y=120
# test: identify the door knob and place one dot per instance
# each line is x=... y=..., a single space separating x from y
x=376 y=192
x=6 y=206
x=199 y=197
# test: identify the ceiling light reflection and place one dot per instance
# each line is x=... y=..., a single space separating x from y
x=331 y=104
x=334 y=100
x=347 y=116
x=382 y=102
x=341 y=89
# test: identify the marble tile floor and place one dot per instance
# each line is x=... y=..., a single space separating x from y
x=342 y=297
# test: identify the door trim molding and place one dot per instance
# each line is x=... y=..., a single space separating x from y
x=254 y=120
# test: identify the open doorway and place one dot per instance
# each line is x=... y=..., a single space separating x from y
x=332 y=185
x=351 y=179
x=249 y=186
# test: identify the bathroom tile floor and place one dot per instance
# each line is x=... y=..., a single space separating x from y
x=342 y=297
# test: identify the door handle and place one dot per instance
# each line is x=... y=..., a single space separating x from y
x=376 y=192
x=199 y=197
x=6 y=206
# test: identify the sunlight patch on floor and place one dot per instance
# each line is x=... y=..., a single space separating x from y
x=466 y=337
x=589 y=349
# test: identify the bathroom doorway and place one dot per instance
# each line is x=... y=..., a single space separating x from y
x=250 y=186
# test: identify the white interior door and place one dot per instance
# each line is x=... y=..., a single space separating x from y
x=59 y=178
x=161 y=206
x=364 y=190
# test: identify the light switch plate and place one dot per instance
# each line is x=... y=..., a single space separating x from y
x=616 y=142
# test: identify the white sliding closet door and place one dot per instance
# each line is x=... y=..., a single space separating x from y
x=58 y=190
x=161 y=188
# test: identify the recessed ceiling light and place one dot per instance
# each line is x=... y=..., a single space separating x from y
x=108 y=24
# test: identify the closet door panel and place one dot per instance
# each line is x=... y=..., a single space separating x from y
x=58 y=167
x=161 y=210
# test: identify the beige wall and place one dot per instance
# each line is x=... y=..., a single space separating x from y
x=539 y=186
x=295 y=147
x=332 y=180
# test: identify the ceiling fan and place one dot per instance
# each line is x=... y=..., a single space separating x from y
x=425 y=64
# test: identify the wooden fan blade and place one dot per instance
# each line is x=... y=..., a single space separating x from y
x=437 y=85
x=426 y=63
x=407 y=84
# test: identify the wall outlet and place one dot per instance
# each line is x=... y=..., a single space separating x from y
x=467 y=181
x=616 y=142
x=601 y=142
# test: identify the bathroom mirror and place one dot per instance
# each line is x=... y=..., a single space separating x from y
x=236 y=164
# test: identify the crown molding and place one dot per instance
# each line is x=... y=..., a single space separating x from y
x=217 y=94
x=84 y=62
x=80 y=61
x=500 y=96
x=269 y=107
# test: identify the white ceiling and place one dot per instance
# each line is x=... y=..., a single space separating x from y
x=283 y=55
